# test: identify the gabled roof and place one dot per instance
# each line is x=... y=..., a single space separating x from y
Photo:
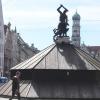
x=60 y=56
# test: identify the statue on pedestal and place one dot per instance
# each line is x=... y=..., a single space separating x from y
x=63 y=23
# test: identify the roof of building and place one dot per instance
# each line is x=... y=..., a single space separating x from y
x=62 y=58
x=76 y=16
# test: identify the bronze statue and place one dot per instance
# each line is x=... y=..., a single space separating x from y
x=62 y=26
x=63 y=16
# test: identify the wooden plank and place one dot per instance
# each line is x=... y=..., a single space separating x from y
x=6 y=87
x=8 y=90
x=30 y=61
x=63 y=56
x=3 y=85
x=25 y=90
x=87 y=90
x=52 y=60
x=41 y=65
x=33 y=92
x=63 y=90
x=23 y=86
x=37 y=60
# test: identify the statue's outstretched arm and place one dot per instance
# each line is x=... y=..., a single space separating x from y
x=59 y=9
x=65 y=8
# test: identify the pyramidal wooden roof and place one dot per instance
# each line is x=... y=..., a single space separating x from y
x=58 y=56
x=62 y=58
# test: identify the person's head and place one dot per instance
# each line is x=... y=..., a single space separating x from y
x=18 y=74
x=65 y=11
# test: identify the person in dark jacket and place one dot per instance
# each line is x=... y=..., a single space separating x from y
x=16 y=86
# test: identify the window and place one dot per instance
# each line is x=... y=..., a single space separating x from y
x=75 y=30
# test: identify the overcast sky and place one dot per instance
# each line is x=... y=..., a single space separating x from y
x=35 y=19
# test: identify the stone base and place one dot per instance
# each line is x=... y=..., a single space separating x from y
x=64 y=39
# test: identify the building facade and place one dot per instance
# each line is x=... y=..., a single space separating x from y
x=15 y=49
x=76 y=30
x=1 y=41
x=94 y=51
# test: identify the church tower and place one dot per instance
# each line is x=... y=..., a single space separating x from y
x=76 y=30
x=1 y=41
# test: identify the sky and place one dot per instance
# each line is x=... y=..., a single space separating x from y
x=36 y=19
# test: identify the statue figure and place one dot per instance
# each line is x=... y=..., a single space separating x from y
x=63 y=17
x=62 y=26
